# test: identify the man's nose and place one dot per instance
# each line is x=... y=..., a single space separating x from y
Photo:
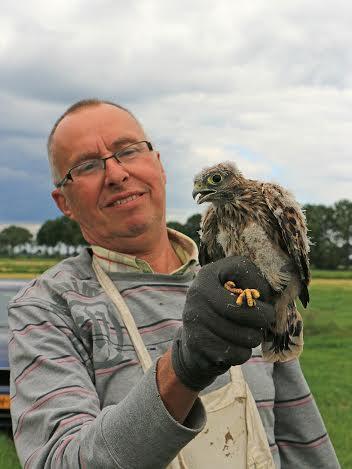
x=115 y=172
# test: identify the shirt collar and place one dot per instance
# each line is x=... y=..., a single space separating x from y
x=184 y=247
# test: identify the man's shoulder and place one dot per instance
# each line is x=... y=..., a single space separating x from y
x=79 y=267
x=52 y=283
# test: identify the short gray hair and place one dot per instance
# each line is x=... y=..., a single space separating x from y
x=83 y=103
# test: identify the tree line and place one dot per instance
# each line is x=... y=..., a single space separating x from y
x=60 y=236
x=330 y=232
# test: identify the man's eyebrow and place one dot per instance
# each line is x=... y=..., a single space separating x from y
x=116 y=145
x=123 y=141
x=86 y=156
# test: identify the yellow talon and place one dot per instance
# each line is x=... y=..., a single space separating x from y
x=240 y=297
x=250 y=300
x=249 y=293
x=231 y=287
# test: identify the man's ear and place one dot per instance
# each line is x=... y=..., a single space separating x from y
x=162 y=167
x=62 y=203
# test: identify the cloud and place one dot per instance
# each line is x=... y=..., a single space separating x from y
x=266 y=85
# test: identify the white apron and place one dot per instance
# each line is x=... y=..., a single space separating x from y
x=234 y=436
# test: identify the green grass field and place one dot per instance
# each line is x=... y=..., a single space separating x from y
x=327 y=357
x=326 y=360
x=22 y=267
x=332 y=274
x=8 y=457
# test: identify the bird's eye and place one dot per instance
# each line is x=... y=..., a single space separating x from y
x=215 y=178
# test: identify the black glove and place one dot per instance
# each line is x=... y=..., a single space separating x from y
x=217 y=333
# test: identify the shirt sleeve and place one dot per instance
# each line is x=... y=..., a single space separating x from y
x=58 y=420
x=300 y=433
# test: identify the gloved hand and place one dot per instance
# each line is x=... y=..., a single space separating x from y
x=217 y=333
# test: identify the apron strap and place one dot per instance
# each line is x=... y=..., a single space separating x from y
x=125 y=313
x=127 y=318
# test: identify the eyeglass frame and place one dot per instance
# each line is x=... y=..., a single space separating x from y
x=116 y=155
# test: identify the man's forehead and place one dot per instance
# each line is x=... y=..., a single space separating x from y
x=84 y=125
x=97 y=117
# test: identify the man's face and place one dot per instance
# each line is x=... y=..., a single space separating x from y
x=99 y=204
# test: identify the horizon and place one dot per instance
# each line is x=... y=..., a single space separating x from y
x=178 y=215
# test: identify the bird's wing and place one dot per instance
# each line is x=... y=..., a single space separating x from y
x=209 y=248
x=293 y=229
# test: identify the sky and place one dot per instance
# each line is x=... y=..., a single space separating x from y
x=265 y=84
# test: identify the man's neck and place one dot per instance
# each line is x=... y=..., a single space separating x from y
x=157 y=251
x=160 y=254
x=164 y=260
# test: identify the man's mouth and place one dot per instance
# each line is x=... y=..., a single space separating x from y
x=124 y=201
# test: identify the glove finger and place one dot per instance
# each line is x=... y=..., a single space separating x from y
x=232 y=332
x=260 y=315
x=222 y=354
x=245 y=274
x=247 y=337
x=236 y=355
x=239 y=269
x=223 y=303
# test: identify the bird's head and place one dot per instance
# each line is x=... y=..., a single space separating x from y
x=217 y=183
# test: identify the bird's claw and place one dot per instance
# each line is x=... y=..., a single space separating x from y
x=250 y=294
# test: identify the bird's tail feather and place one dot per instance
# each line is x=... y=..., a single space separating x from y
x=281 y=347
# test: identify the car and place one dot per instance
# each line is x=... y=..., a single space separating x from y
x=8 y=289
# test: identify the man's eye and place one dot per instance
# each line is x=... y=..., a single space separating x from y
x=130 y=152
x=88 y=167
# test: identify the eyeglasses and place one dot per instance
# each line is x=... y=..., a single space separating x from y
x=96 y=166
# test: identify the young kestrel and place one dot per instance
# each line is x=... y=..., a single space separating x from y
x=263 y=222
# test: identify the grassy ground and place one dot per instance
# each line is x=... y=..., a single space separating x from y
x=326 y=359
x=331 y=274
x=8 y=457
x=24 y=267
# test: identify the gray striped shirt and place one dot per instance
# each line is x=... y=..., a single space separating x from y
x=79 y=396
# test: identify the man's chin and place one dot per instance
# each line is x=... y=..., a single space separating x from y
x=137 y=229
x=133 y=228
x=109 y=236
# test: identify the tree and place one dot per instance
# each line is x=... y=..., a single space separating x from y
x=13 y=236
x=324 y=253
x=175 y=225
x=47 y=234
x=62 y=230
x=342 y=223
x=329 y=228
x=190 y=228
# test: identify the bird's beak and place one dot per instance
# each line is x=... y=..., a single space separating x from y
x=201 y=195
x=195 y=192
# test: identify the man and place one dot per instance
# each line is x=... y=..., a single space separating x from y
x=79 y=396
